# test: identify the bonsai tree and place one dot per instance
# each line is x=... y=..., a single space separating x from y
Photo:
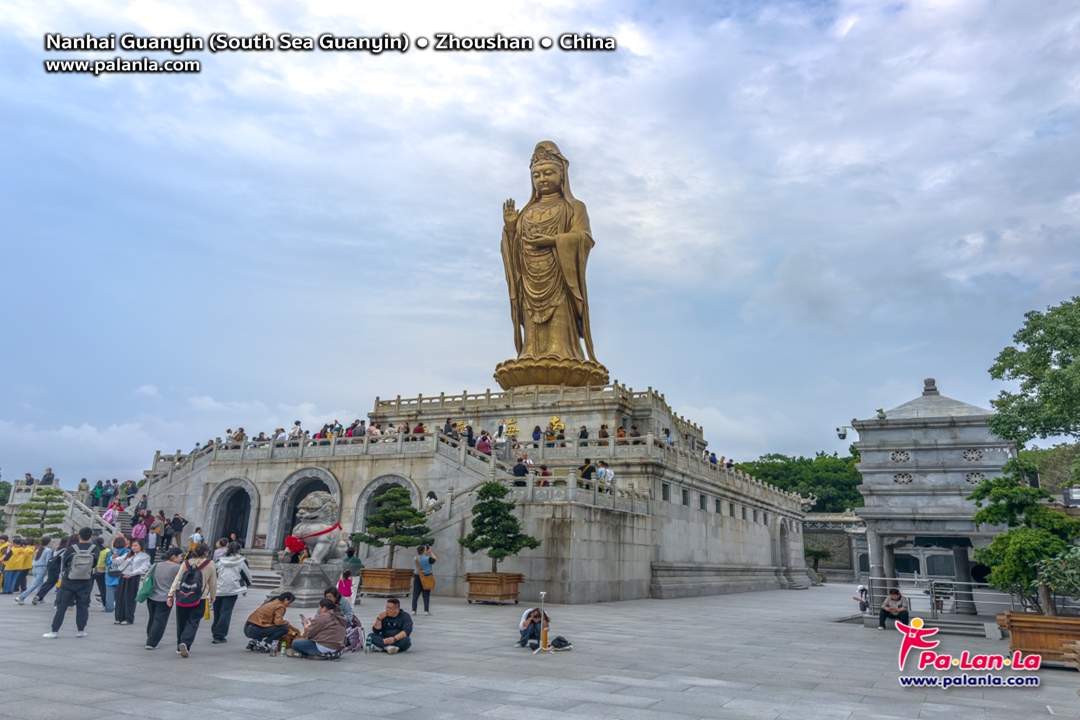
x=43 y=514
x=395 y=523
x=1037 y=533
x=494 y=527
x=815 y=555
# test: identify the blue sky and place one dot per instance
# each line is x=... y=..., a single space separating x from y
x=800 y=211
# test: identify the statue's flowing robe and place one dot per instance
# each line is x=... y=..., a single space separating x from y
x=543 y=289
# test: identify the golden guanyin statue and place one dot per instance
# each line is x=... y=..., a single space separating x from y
x=545 y=248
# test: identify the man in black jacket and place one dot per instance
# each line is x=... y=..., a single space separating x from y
x=76 y=568
x=392 y=629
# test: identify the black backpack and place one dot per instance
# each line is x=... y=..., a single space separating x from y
x=190 y=590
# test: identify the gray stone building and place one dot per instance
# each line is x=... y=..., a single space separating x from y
x=920 y=461
x=675 y=525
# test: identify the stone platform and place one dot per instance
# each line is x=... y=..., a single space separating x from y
x=764 y=656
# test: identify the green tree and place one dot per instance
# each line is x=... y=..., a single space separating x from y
x=1045 y=363
x=43 y=514
x=1058 y=466
x=395 y=522
x=494 y=526
x=832 y=479
x=1062 y=573
x=1037 y=533
x=816 y=555
x=5 y=495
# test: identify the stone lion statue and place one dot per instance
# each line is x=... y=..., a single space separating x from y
x=317 y=530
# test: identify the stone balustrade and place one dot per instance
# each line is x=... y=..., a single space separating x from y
x=499 y=399
x=76 y=514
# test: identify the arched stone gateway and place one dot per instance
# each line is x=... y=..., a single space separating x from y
x=232 y=508
x=365 y=504
x=292 y=490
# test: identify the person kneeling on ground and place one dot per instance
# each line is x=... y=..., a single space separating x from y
x=530 y=626
x=267 y=625
x=895 y=607
x=392 y=629
x=324 y=634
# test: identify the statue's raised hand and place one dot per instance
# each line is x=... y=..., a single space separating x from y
x=510 y=215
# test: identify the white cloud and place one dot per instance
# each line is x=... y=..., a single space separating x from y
x=148 y=390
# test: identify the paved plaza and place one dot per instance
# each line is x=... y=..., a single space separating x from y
x=757 y=655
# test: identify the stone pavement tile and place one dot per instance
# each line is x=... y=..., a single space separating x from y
x=712 y=707
x=41 y=709
x=816 y=713
x=625 y=713
x=163 y=710
x=622 y=699
x=894 y=706
x=52 y=690
x=518 y=712
x=545 y=702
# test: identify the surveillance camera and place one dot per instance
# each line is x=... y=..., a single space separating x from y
x=841 y=433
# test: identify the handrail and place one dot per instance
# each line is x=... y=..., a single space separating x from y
x=86 y=516
x=968 y=597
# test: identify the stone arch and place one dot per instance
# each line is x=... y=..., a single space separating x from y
x=290 y=492
x=217 y=506
x=375 y=488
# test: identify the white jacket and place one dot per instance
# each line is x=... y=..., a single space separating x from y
x=228 y=575
x=133 y=564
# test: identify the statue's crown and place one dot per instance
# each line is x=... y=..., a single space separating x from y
x=544 y=155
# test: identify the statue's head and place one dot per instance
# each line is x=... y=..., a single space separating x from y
x=318 y=506
x=548 y=170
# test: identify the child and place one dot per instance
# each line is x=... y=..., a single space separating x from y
x=344 y=585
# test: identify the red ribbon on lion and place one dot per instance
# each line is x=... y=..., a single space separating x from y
x=296 y=544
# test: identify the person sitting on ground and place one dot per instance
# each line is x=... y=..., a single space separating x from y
x=530 y=626
x=267 y=625
x=862 y=596
x=895 y=607
x=392 y=629
x=324 y=634
x=341 y=603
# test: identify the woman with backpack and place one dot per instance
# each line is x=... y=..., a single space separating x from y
x=234 y=576
x=109 y=562
x=53 y=570
x=133 y=567
x=195 y=585
x=157 y=605
x=40 y=568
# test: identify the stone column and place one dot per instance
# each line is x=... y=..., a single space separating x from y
x=965 y=603
x=877 y=569
x=889 y=564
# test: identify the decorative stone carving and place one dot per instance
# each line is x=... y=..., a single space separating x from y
x=903 y=478
x=318 y=527
x=974 y=478
x=973 y=455
x=900 y=456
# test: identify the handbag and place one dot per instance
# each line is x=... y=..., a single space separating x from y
x=427 y=582
x=245 y=579
x=147 y=586
x=109 y=572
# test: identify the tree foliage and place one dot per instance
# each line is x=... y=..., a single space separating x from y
x=1062 y=573
x=831 y=478
x=1044 y=362
x=1058 y=466
x=43 y=514
x=5 y=495
x=1038 y=533
x=495 y=527
x=817 y=555
x=395 y=522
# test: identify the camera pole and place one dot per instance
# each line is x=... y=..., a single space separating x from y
x=543 y=630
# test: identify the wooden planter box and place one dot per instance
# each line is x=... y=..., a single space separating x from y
x=493 y=587
x=386 y=582
x=1046 y=636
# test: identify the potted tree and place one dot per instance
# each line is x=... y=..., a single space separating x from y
x=497 y=530
x=43 y=514
x=1020 y=559
x=816 y=555
x=395 y=522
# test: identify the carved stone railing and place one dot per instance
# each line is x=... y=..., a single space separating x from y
x=568 y=452
x=450 y=404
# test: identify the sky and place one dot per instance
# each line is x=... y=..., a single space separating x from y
x=800 y=209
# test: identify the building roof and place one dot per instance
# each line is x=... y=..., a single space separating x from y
x=933 y=404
